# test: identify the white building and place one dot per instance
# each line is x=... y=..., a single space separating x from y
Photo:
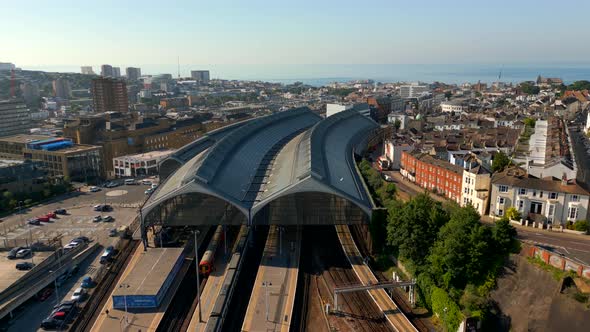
x=362 y=108
x=6 y=66
x=140 y=164
x=393 y=152
x=587 y=126
x=548 y=200
x=413 y=90
x=401 y=117
x=475 y=189
x=456 y=106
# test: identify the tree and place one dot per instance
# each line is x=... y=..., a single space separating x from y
x=579 y=85
x=8 y=195
x=453 y=257
x=500 y=162
x=512 y=213
x=378 y=229
x=581 y=225
x=529 y=88
x=448 y=94
x=397 y=124
x=504 y=235
x=529 y=122
x=412 y=227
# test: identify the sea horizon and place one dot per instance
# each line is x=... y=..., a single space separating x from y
x=324 y=74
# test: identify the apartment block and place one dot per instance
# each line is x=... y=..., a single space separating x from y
x=433 y=174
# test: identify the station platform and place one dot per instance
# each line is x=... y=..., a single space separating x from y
x=145 y=319
x=394 y=316
x=278 y=270
x=147 y=284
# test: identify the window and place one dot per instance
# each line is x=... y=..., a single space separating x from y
x=572 y=213
x=553 y=195
x=503 y=189
x=541 y=194
x=520 y=205
x=575 y=198
x=522 y=191
x=501 y=200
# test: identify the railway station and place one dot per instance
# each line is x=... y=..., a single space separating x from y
x=252 y=188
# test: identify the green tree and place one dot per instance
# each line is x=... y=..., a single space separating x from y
x=8 y=195
x=529 y=122
x=579 y=85
x=529 y=88
x=512 y=213
x=581 y=225
x=378 y=229
x=504 y=235
x=412 y=227
x=500 y=162
x=452 y=257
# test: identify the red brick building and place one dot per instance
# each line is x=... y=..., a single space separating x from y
x=433 y=174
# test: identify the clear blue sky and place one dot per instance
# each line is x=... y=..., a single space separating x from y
x=130 y=32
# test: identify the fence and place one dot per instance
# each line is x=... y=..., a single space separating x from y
x=558 y=261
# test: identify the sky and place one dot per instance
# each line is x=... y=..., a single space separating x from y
x=130 y=32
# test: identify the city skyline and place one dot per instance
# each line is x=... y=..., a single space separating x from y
x=262 y=32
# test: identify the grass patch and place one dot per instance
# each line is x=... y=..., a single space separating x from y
x=555 y=272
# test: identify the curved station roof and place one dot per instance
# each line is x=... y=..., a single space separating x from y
x=251 y=163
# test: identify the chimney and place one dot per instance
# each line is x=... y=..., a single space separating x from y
x=564 y=180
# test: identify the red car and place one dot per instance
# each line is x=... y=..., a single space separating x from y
x=44 y=294
x=43 y=218
x=51 y=215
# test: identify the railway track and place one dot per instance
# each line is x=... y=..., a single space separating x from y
x=100 y=295
x=329 y=268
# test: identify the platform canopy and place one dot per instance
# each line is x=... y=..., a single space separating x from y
x=291 y=167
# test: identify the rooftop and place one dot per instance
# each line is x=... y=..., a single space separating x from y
x=517 y=177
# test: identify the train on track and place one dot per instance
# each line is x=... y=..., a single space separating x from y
x=207 y=262
x=215 y=321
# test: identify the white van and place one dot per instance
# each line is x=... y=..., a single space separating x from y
x=130 y=182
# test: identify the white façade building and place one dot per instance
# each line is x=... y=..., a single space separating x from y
x=549 y=200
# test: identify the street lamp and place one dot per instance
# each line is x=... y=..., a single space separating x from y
x=125 y=300
x=266 y=285
x=196 y=234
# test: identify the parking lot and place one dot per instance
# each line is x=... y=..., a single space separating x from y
x=8 y=271
x=78 y=221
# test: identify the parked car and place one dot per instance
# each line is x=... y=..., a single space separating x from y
x=79 y=294
x=108 y=219
x=12 y=252
x=73 y=270
x=44 y=294
x=82 y=238
x=87 y=282
x=61 y=279
x=97 y=219
x=72 y=245
x=387 y=178
x=130 y=182
x=68 y=303
x=24 y=266
x=102 y=207
x=34 y=221
x=51 y=214
x=154 y=186
x=51 y=324
x=60 y=211
x=94 y=189
x=44 y=219
x=146 y=182
x=26 y=252
x=107 y=255
x=149 y=191
x=113 y=232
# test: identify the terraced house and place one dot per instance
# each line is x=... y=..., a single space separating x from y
x=548 y=200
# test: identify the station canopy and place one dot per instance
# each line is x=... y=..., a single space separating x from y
x=291 y=167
